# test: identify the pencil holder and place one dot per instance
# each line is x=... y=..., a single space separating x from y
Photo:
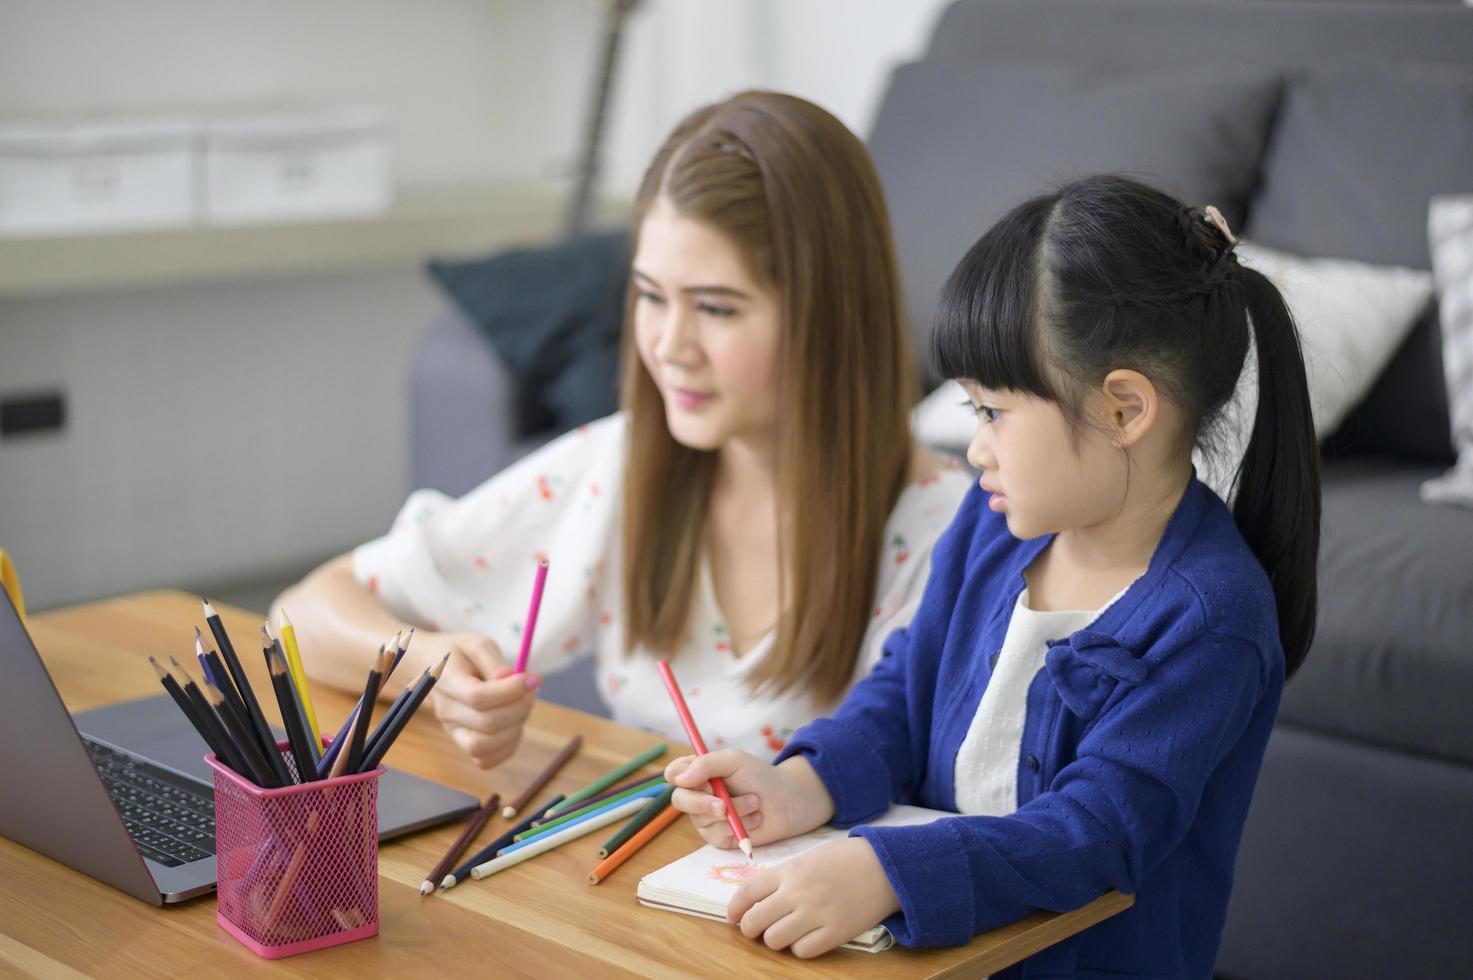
x=296 y=867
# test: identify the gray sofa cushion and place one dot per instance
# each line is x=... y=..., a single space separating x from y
x=997 y=134
x=1355 y=157
x=1392 y=662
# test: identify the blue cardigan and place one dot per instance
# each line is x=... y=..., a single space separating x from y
x=1142 y=742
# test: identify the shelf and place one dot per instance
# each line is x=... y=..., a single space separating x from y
x=425 y=221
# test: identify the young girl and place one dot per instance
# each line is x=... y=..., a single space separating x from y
x=757 y=511
x=1096 y=663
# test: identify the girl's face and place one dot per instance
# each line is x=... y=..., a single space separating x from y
x=707 y=331
x=1043 y=477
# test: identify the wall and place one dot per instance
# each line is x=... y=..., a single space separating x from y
x=226 y=430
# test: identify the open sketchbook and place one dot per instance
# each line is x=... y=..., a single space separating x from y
x=702 y=882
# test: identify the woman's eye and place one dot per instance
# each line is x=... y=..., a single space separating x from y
x=719 y=311
x=647 y=296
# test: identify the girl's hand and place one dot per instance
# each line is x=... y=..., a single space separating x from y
x=774 y=802
x=818 y=900
x=479 y=700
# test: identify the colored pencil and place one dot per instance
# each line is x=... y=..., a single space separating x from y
x=543 y=777
x=313 y=741
x=247 y=694
x=578 y=816
x=259 y=771
x=537 y=585
x=395 y=707
x=567 y=816
x=651 y=809
x=354 y=750
x=472 y=828
x=182 y=700
x=386 y=742
x=523 y=852
x=638 y=782
x=232 y=756
x=613 y=776
x=329 y=757
x=291 y=716
x=490 y=850
x=628 y=849
x=718 y=785
x=299 y=673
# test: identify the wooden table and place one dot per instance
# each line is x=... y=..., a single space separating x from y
x=539 y=919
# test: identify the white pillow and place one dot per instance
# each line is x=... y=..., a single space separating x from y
x=1351 y=317
x=942 y=421
x=1450 y=235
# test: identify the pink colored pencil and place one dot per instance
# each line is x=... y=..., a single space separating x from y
x=532 y=616
x=718 y=785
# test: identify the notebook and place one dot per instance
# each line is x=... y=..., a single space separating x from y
x=702 y=882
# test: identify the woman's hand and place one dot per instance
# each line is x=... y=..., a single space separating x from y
x=774 y=802
x=478 y=699
x=818 y=900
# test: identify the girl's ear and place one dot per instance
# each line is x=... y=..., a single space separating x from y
x=1130 y=406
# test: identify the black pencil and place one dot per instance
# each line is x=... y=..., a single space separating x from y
x=291 y=718
x=312 y=743
x=231 y=755
x=182 y=700
x=488 y=852
x=235 y=710
x=394 y=708
x=354 y=750
x=247 y=694
x=260 y=771
x=421 y=691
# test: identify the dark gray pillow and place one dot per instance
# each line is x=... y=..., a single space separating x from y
x=959 y=145
x=1355 y=157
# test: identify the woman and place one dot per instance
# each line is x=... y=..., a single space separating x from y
x=757 y=511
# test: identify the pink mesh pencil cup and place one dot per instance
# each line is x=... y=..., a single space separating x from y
x=296 y=867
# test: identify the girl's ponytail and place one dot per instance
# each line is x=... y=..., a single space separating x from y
x=1277 y=507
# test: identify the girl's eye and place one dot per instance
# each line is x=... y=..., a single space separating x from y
x=647 y=296
x=985 y=412
x=717 y=311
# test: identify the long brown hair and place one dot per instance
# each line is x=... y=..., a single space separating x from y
x=796 y=193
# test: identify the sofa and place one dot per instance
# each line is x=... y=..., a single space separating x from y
x=1357 y=859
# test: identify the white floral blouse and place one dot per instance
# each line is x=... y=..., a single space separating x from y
x=468 y=565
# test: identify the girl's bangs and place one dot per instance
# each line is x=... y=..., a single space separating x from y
x=986 y=326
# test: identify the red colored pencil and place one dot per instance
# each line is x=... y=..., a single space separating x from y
x=718 y=786
x=537 y=585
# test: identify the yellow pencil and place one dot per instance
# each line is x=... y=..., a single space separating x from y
x=299 y=676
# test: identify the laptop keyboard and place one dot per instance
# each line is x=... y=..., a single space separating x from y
x=171 y=819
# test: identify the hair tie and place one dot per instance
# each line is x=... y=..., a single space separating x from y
x=1216 y=220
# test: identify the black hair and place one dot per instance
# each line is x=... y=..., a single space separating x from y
x=1110 y=273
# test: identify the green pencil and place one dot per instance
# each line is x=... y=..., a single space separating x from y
x=651 y=810
x=604 y=782
x=567 y=815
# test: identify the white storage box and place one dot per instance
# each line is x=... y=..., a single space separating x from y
x=296 y=166
x=64 y=178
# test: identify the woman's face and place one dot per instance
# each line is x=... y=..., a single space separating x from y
x=707 y=331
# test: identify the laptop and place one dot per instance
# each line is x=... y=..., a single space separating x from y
x=122 y=793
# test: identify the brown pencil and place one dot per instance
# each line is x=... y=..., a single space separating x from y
x=543 y=777
x=474 y=827
x=627 y=850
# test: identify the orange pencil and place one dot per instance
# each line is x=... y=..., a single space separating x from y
x=624 y=853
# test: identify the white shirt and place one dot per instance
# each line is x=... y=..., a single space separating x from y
x=468 y=565
x=986 y=773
